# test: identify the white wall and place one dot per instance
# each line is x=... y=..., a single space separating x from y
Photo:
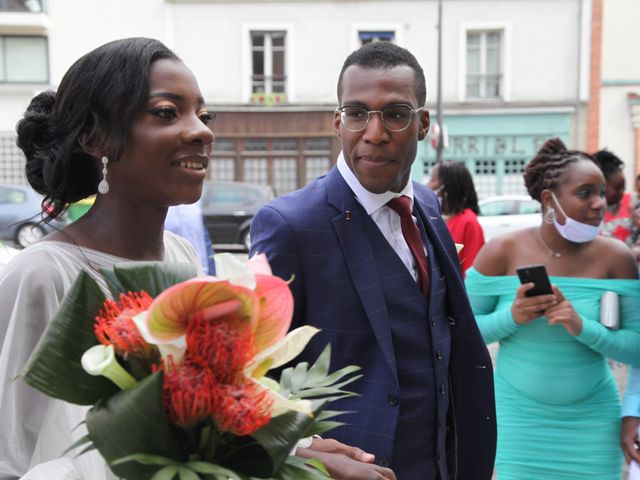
x=76 y=27
x=541 y=55
x=620 y=64
x=321 y=36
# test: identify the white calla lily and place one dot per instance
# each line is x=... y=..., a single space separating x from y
x=230 y=268
x=459 y=246
x=101 y=360
x=283 y=351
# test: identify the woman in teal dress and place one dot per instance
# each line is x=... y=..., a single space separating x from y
x=557 y=402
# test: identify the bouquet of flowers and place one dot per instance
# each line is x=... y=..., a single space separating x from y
x=179 y=364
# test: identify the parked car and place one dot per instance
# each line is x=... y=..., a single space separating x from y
x=229 y=207
x=21 y=216
x=505 y=213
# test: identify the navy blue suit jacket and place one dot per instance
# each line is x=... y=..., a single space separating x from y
x=317 y=234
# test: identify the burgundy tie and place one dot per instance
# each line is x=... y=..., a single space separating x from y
x=402 y=206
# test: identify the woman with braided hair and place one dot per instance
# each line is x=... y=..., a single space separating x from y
x=557 y=402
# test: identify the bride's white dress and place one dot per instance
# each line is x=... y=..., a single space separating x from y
x=35 y=430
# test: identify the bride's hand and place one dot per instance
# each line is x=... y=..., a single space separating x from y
x=563 y=314
x=525 y=309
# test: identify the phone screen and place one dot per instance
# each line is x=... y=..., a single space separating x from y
x=538 y=275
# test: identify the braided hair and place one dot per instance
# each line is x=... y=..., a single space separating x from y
x=551 y=161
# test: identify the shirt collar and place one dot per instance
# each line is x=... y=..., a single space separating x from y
x=370 y=201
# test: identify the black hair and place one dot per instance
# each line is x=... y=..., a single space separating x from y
x=385 y=55
x=610 y=164
x=97 y=97
x=551 y=161
x=458 y=191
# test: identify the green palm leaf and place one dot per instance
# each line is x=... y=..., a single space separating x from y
x=134 y=421
x=152 y=277
x=54 y=366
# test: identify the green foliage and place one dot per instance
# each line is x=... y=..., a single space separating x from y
x=130 y=429
x=134 y=420
x=54 y=367
x=152 y=277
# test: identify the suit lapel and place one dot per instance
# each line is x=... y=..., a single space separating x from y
x=358 y=255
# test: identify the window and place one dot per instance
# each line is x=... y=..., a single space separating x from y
x=373 y=36
x=499 y=207
x=34 y=6
x=530 y=207
x=484 y=70
x=268 y=67
x=23 y=60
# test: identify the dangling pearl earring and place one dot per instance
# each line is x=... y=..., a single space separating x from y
x=549 y=215
x=103 y=186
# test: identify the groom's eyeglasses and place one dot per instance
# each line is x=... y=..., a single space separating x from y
x=395 y=118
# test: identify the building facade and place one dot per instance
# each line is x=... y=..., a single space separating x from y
x=514 y=73
x=614 y=106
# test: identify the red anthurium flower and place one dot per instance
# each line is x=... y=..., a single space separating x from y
x=114 y=325
x=276 y=310
x=171 y=311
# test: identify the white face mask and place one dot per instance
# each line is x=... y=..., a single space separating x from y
x=572 y=230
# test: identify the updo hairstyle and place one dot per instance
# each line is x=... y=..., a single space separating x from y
x=98 y=96
x=551 y=161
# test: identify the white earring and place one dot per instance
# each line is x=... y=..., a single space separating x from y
x=103 y=186
x=550 y=215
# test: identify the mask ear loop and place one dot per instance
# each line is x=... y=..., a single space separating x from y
x=560 y=209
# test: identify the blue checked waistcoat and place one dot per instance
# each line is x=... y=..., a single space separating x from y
x=426 y=405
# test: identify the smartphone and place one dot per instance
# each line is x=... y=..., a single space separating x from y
x=538 y=275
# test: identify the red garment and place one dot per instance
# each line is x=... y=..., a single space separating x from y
x=619 y=226
x=466 y=230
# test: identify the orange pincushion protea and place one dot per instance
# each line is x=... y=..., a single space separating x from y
x=210 y=382
x=114 y=325
x=237 y=330
x=241 y=408
x=224 y=344
x=188 y=393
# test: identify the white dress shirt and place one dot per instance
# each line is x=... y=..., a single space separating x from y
x=387 y=220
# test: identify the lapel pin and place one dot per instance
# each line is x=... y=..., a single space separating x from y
x=347 y=215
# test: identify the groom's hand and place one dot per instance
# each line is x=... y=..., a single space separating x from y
x=344 y=467
x=330 y=445
x=629 y=438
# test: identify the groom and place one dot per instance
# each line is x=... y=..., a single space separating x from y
x=375 y=269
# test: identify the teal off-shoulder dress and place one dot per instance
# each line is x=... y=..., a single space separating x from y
x=558 y=408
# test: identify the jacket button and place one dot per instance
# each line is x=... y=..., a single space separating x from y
x=392 y=399
x=433 y=322
x=383 y=462
x=439 y=355
x=442 y=389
